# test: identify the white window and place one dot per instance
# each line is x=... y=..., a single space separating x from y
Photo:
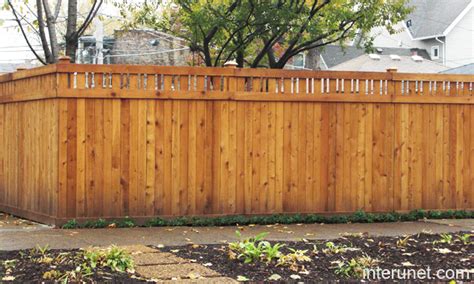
x=299 y=60
x=435 y=52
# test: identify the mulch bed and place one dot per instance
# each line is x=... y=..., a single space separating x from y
x=418 y=252
x=31 y=265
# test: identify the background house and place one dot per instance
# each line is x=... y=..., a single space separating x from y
x=467 y=69
x=144 y=47
x=445 y=28
x=333 y=55
x=12 y=67
x=380 y=63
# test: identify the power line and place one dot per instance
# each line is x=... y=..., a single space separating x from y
x=149 y=53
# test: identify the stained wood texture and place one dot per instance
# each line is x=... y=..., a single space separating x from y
x=203 y=141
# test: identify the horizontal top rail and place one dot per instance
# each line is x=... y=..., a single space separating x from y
x=227 y=83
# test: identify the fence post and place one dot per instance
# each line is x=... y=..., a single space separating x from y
x=64 y=60
x=62 y=79
x=391 y=86
x=231 y=80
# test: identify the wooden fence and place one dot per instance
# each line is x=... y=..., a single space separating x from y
x=90 y=141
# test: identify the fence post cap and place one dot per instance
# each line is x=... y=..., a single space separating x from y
x=231 y=64
x=64 y=59
x=392 y=69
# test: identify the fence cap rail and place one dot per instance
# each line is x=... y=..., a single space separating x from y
x=65 y=67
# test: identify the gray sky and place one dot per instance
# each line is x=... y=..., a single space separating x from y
x=13 y=47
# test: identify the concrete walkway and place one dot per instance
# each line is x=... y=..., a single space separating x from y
x=163 y=267
x=20 y=238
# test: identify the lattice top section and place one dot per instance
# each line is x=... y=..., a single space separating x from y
x=160 y=82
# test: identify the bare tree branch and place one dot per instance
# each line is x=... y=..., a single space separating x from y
x=92 y=13
x=24 y=33
x=53 y=39
x=57 y=9
x=41 y=28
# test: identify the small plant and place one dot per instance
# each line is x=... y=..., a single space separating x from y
x=403 y=242
x=254 y=249
x=465 y=238
x=445 y=239
x=10 y=263
x=42 y=250
x=356 y=266
x=293 y=259
x=74 y=275
x=115 y=258
x=332 y=248
x=118 y=259
x=271 y=252
x=52 y=275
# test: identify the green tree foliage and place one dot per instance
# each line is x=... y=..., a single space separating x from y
x=266 y=33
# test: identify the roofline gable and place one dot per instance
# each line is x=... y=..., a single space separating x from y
x=448 y=29
x=458 y=18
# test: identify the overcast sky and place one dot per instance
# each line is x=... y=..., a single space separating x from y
x=13 y=47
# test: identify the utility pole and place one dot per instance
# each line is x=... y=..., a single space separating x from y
x=99 y=41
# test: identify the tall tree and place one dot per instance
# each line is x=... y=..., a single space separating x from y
x=265 y=33
x=41 y=19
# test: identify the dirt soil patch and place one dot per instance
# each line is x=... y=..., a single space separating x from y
x=36 y=267
x=448 y=251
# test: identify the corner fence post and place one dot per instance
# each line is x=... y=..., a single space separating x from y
x=64 y=60
x=62 y=80
x=391 y=89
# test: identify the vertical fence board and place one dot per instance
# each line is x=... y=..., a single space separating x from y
x=221 y=141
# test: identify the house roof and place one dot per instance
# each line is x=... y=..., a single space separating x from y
x=406 y=65
x=11 y=67
x=334 y=54
x=432 y=18
x=465 y=69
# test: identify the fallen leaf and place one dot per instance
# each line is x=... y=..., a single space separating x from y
x=175 y=250
x=407 y=263
x=193 y=276
x=207 y=264
x=160 y=246
x=274 y=277
x=304 y=271
x=8 y=278
x=443 y=250
x=295 y=277
x=242 y=278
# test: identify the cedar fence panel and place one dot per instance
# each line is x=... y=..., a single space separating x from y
x=108 y=141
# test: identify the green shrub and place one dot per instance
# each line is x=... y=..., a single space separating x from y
x=357 y=217
x=71 y=224
x=126 y=222
x=155 y=222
